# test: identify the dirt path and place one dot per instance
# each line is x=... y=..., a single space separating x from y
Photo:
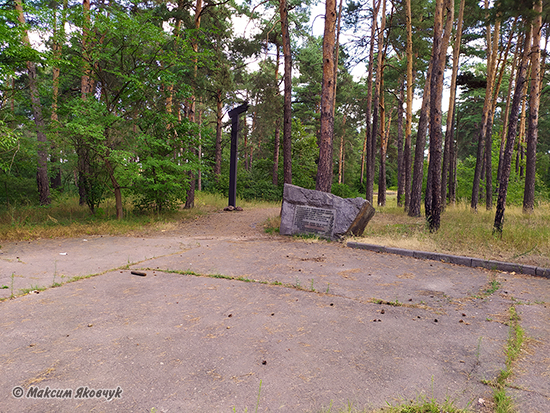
x=234 y=224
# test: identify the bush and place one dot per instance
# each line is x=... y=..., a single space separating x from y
x=344 y=191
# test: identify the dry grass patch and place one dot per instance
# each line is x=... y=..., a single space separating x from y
x=525 y=239
x=65 y=218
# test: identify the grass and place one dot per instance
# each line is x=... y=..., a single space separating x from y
x=66 y=218
x=516 y=337
x=525 y=239
x=420 y=405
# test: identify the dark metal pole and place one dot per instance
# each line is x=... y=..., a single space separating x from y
x=234 y=115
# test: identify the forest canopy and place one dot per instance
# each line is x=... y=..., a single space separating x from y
x=437 y=100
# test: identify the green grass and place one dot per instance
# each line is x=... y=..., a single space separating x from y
x=66 y=218
x=516 y=337
x=420 y=405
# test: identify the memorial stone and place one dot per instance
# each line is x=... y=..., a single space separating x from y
x=306 y=211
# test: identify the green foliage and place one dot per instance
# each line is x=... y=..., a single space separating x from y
x=344 y=191
x=465 y=177
x=9 y=146
x=304 y=156
x=162 y=179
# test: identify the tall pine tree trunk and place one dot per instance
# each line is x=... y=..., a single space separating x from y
x=512 y=131
x=369 y=181
x=287 y=102
x=277 y=143
x=190 y=198
x=400 y=160
x=408 y=117
x=42 y=147
x=450 y=114
x=58 y=36
x=219 y=124
x=377 y=93
x=534 y=102
x=418 y=169
x=439 y=55
x=324 y=168
x=507 y=113
x=484 y=140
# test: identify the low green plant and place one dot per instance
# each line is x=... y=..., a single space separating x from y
x=516 y=336
x=25 y=291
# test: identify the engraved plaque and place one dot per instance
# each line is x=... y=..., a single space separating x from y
x=313 y=220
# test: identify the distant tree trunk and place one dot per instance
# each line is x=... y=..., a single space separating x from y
x=42 y=147
x=116 y=187
x=275 y=171
x=199 y=178
x=378 y=91
x=368 y=128
x=277 y=143
x=534 y=102
x=507 y=113
x=384 y=139
x=85 y=91
x=439 y=55
x=418 y=170
x=522 y=130
x=489 y=126
x=287 y=105
x=485 y=140
x=219 y=124
x=337 y=51
x=190 y=198
x=324 y=168
x=408 y=117
x=450 y=114
x=512 y=132
x=400 y=160
x=342 y=153
x=58 y=38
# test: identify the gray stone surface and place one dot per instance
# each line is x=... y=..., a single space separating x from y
x=321 y=213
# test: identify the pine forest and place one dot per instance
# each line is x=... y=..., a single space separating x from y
x=436 y=101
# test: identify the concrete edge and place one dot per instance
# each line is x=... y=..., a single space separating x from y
x=455 y=259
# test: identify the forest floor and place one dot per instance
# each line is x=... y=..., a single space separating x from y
x=228 y=318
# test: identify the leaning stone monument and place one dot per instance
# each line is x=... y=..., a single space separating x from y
x=305 y=211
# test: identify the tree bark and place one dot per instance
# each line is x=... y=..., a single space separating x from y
x=190 y=198
x=534 y=102
x=400 y=157
x=439 y=55
x=368 y=129
x=512 y=132
x=58 y=36
x=507 y=113
x=484 y=139
x=418 y=169
x=450 y=114
x=377 y=93
x=219 y=124
x=277 y=143
x=408 y=117
x=116 y=187
x=42 y=147
x=287 y=103
x=324 y=169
